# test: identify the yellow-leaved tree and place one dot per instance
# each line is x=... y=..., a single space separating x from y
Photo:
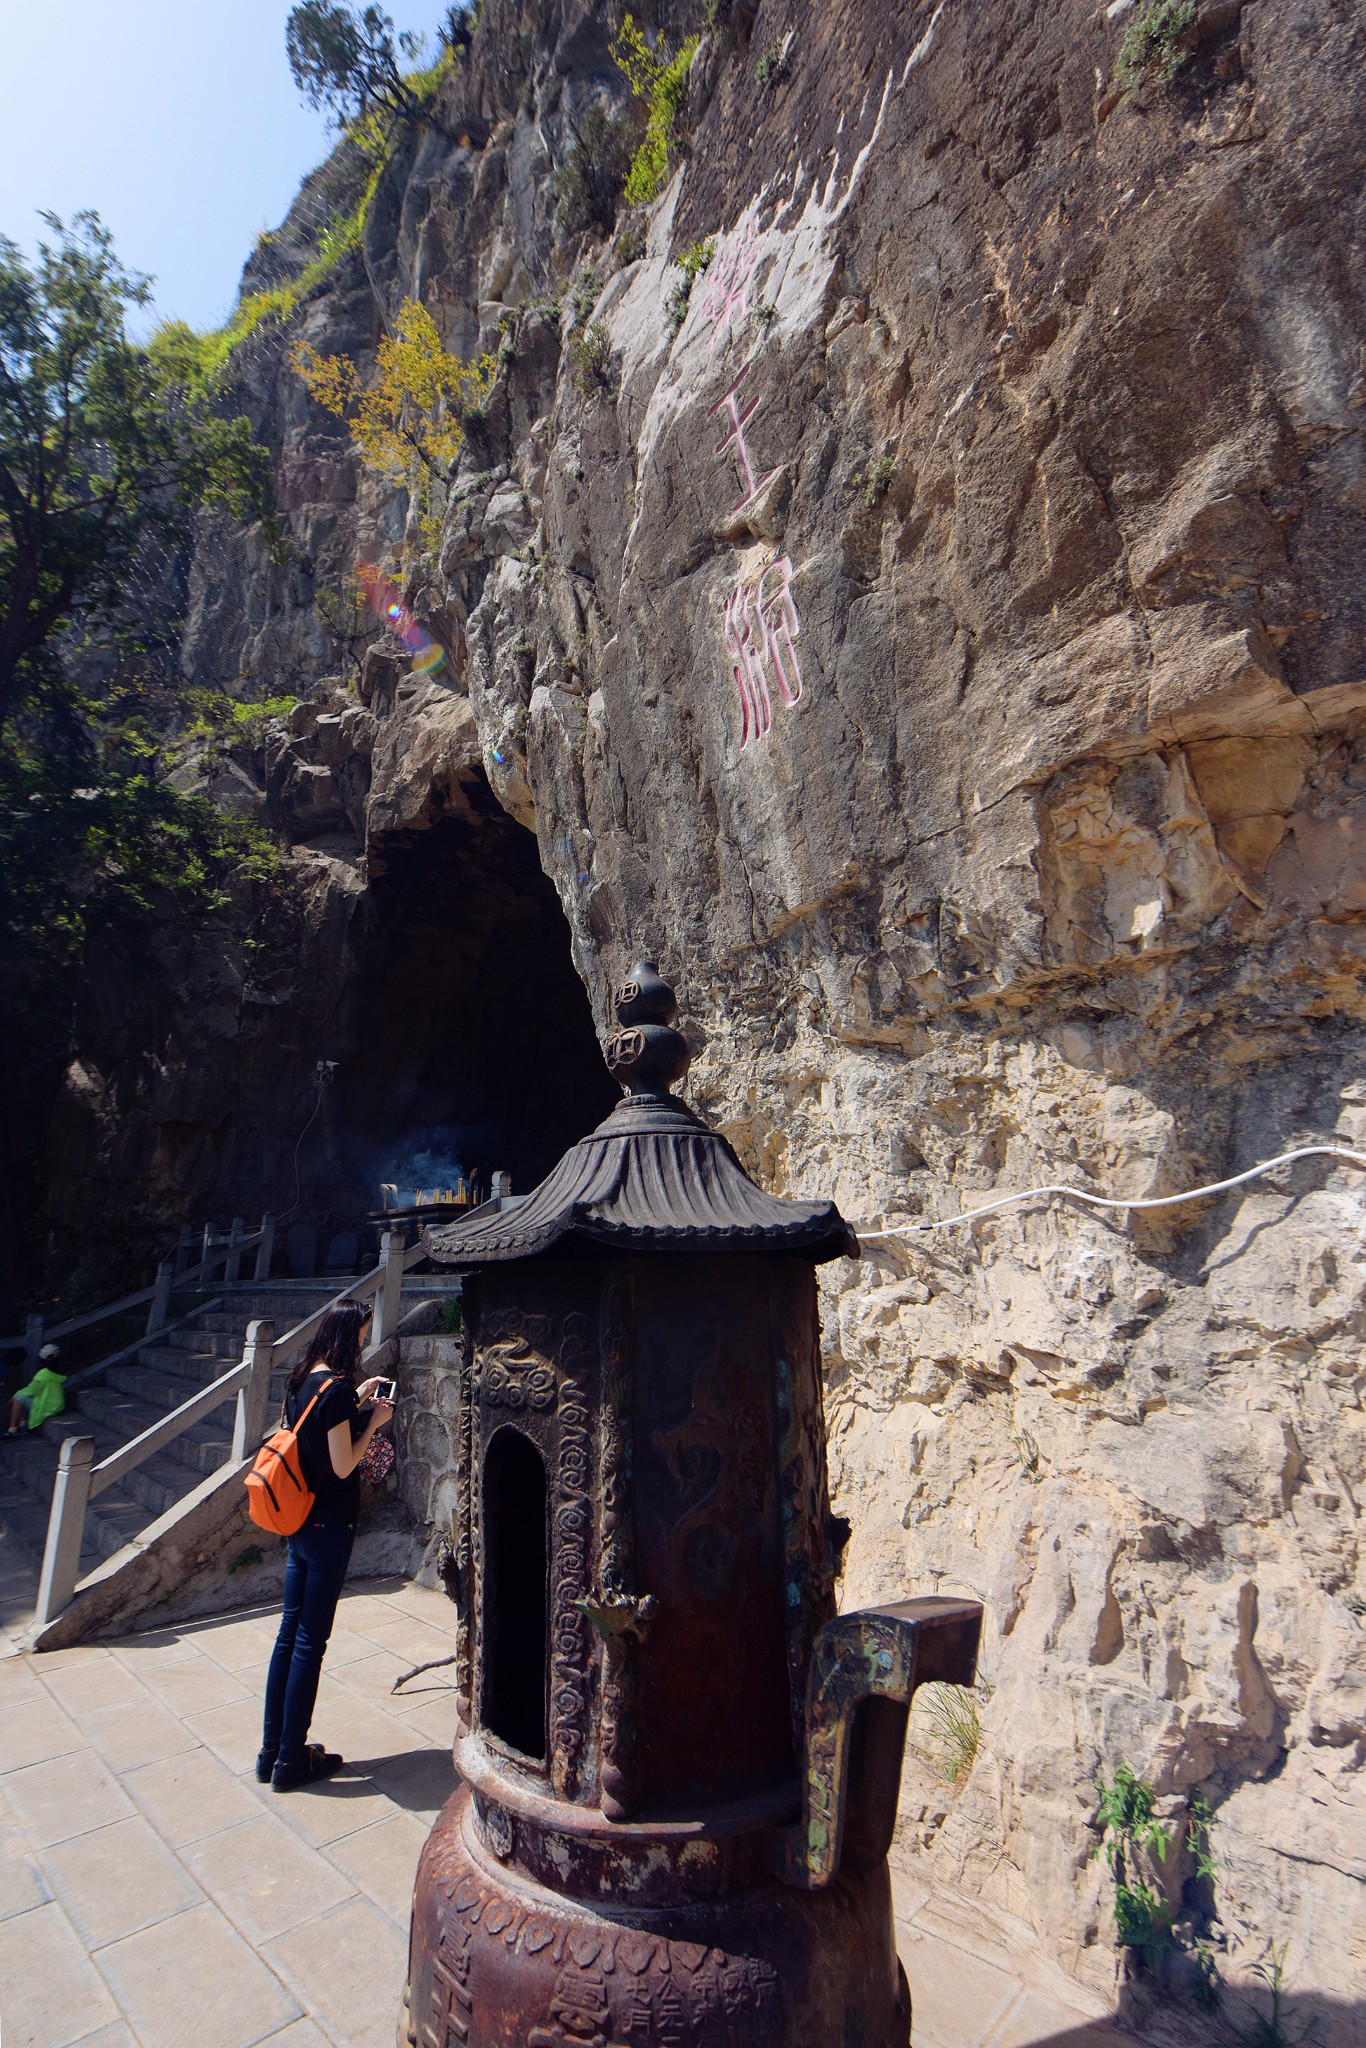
x=409 y=422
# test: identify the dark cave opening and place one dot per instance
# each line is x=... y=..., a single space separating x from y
x=514 y=1618
x=471 y=1041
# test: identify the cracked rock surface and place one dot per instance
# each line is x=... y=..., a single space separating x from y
x=1054 y=869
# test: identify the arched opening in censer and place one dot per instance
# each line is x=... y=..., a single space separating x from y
x=514 y=1618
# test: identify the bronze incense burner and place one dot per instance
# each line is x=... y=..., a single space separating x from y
x=680 y=1765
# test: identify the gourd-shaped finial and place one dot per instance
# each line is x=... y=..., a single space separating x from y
x=647 y=1053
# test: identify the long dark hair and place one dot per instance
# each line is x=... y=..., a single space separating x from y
x=336 y=1344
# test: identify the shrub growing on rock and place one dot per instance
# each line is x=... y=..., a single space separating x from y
x=659 y=79
x=1153 y=44
x=589 y=354
x=590 y=181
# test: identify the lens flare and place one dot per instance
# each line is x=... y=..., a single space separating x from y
x=387 y=603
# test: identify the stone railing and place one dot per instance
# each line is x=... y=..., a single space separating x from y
x=217 y=1248
x=80 y=1480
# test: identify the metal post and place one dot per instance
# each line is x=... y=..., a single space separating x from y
x=184 y=1251
x=390 y=1291
x=234 y=1265
x=161 y=1299
x=66 y=1526
x=250 y=1425
x=267 y=1250
x=33 y=1341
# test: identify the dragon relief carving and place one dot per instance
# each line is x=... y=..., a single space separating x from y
x=514 y=1368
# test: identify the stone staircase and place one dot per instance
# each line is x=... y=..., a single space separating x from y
x=168 y=1369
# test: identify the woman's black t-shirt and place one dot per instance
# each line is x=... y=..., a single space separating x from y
x=339 y=1497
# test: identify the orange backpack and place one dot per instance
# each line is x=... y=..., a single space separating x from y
x=278 y=1496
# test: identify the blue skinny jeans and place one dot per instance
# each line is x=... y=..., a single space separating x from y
x=316 y=1568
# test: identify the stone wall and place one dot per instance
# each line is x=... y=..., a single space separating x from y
x=427 y=1368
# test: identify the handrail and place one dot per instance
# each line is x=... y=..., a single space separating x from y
x=91 y=1375
x=226 y=1250
x=221 y=1257
x=82 y=1322
x=98 y=1315
x=79 y=1479
x=132 y=1454
x=285 y=1347
x=368 y=1285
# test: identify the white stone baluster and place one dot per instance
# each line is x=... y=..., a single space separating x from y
x=160 y=1307
x=389 y=1293
x=234 y=1265
x=252 y=1402
x=66 y=1525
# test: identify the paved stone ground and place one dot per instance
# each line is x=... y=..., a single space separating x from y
x=152 y=1895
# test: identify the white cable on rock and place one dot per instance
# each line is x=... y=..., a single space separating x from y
x=1216 y=1187
x=285 y=1214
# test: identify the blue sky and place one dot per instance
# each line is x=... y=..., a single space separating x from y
x=176 y=120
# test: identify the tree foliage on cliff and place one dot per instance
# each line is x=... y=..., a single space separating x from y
x=105 y=452
x=409 y=422
x=98 y=860
x=589 y=182
x=105 y=871
x=1154 y=44
x=346 y=60
x=659 y=78
x=99 y=453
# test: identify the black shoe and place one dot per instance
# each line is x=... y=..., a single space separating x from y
x=318 y=1763
x=265 y=1765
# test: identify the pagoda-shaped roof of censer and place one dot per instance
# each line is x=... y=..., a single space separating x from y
x=652 y=1177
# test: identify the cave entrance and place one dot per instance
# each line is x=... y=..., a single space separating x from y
x=514 y=1619
x=471 y=1042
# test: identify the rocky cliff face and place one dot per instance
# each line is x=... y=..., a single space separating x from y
x=943 y=649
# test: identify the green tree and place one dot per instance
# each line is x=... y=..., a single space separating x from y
x=346 y=60
x=105 y=451
x=461 y=21
x=100 y=452
x=659 y=78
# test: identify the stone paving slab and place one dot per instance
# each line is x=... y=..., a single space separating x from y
x=153 y=1895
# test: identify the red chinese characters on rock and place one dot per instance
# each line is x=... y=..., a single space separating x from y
x=734 y=439
x=759 y=620
x=760 y=625
x=728 y=279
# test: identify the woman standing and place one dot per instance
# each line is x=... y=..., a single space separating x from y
x=332 y=1441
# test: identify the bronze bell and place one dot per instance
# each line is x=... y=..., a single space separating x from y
x=680 y=1766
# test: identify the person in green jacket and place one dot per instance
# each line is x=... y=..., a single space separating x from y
x=44 y=1395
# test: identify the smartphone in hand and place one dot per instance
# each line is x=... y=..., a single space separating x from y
x=386 y=1391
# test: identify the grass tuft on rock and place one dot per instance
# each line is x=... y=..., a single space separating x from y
x=1153 y=45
